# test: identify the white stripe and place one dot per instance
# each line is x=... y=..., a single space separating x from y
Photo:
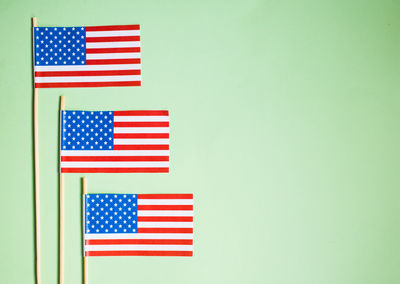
x=121 y=118
x=89 y=67
x=139 y=236
x=141 y=141
x=138 y=247
x=112 y=44
x=165 y=201
x=113 y=55
x=161 y=213
x=113 y=33
x=165 y=224
x=141 y=129
x=108 y=153
x=114 y=164
x=87 y=79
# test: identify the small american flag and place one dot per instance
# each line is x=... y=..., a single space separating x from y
x=114 y=141
x=138 y=224
x=100 y=56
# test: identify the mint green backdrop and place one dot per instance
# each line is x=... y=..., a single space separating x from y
x=285 y=126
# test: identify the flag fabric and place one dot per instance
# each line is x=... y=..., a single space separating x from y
x=114 y=141
x=99 y=56
x=138 y=224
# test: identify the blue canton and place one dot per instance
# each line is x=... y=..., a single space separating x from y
x=60 y=46
x=87 y=130
x=110 y=213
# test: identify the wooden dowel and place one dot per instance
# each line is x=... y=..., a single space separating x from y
x=36 y=158
x=85 y=260
x=61 y=236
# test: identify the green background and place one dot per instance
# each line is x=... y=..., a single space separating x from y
x=284 y=124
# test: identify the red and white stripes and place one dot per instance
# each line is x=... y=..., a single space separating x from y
x=141 y=145
x=165 y=228
x=112 y=59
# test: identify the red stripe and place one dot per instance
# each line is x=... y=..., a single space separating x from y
x=112 y=38
x=138 y=242
x=112 y=50
x=165 y=230
x=166 y=196
x=113 y=28
x=114 y=158
x=87 y=84
x=139 y=252
x=141 y=112
x=141 y=147
x=86 y=73
x=165 y=207
x=141 y=124
x=114 y=170
x=164 y=219
x=112 y=61
x=140 y=135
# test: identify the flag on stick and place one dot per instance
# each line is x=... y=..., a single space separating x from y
x=100 y=56
x=115 y=141
x=138 y=224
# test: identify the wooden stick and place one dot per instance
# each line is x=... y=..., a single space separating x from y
x=61 y=236
x=85 y=260
x=36 y=158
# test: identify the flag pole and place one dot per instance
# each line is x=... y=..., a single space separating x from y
x=85 y=260
x=36 y=158
x=61 y=214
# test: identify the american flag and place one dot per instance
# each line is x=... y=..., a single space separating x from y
x=114 y=141
x=100 y=56
x=138 y=224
